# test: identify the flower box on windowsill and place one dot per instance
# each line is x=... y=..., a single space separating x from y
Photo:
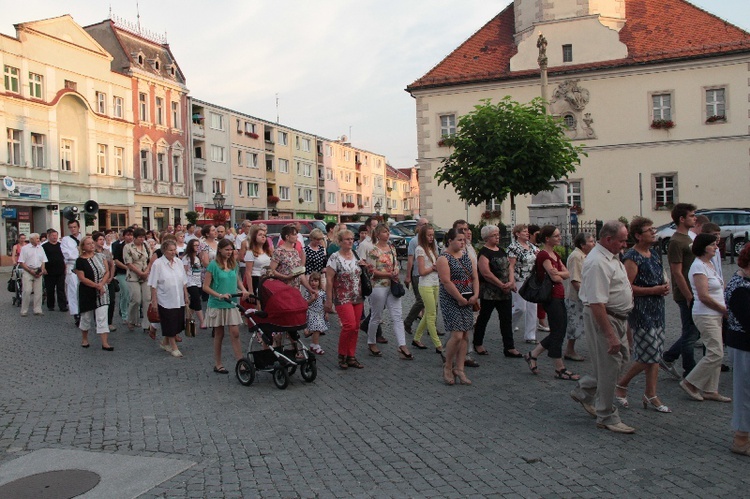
x=716 y=119
x=273 y=199
x=663 y=207
x=662 y=124
x=252 y=135
x=446 y=142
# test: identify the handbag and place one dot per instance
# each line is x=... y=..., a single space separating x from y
x=152 y=314
x=189 y=323
x=537 y=292
x=11 y=285
x=468 y=294
x=364 y=279
x=397 y=289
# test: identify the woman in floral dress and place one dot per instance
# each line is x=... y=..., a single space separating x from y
x=286 y=258
x=522 y=258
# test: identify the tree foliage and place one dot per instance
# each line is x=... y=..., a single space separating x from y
x=507 y=149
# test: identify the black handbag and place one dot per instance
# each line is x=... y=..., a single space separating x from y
x=11 y=285
x=364 y=279
x=397 y=289
x=537 y=292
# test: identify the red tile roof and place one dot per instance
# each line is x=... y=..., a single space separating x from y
x=655 y=31
x=391 y=172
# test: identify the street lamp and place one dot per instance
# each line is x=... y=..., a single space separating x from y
x=274 y=212
x=219 y=200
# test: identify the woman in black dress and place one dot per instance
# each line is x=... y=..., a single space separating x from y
x=93 y=275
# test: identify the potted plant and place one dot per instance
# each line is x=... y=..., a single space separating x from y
x=301 y=200
x=273 y=199
x=192 y=216
x=252 y=135
x=576 y=209
x=662 y=124
x=446 y=141
x=715 y=118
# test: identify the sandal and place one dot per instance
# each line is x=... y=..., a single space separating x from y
x=623 y=401
x=419 y=345
x=375 y=353
x=461 y=377
x=353 y=362
x=448 y=378
x=221 y=370
x=529 y=359
x=483 y=350
x=317 y=350
x=566 y=375
x=342 y=362
x=404 y=355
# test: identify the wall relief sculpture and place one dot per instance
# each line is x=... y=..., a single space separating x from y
x=569 y=101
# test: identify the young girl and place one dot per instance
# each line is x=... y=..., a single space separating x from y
x=317 y=318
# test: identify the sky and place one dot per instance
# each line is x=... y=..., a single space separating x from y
x=339 y=67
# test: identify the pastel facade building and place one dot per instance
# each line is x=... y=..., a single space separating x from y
x=248 y=168
x=158 y=101
x=68 y=124
x=655 y=90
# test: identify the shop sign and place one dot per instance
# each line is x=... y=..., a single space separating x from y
x=30 y=191
x=158 y=214
x=9 y=213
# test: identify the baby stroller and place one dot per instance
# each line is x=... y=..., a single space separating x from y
x=284 y=311
x=15 y=284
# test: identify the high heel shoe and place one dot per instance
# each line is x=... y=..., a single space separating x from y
x=448 y=378
x=419 y=345
x=405 y=355
x=461 y=377
x=623 y=401
x=649 y=401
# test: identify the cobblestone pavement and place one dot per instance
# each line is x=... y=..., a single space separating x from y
x=392 y=429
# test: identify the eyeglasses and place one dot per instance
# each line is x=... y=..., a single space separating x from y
x=652 y=230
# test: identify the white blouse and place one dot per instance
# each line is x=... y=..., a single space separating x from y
x=168 y=278
x=260 y=262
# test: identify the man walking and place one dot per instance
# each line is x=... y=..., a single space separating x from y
x=54 y=281
x=121 y=270
x=680 y=257
x=607 y=299
x=69 y=246
x=32 y=260
x=412 y=277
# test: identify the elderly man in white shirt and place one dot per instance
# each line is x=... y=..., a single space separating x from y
x=32 y=260
x=69 y=246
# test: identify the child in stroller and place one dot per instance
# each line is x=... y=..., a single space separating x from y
x=284 y=311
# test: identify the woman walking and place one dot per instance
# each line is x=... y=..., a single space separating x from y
x=385 y=265
x=459 y=291
x=521 y=258
x=221 y=282
x=707 y=285
x=646 y=320
x=169 y=294
x=93 y=275
x=496 y=283
x=549 y=262
x=344 y=290
x=427 y=254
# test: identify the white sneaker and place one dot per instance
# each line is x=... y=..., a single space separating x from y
x=176 y=353
x=541 y=327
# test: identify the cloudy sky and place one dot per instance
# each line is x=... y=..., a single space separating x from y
x=336 y=65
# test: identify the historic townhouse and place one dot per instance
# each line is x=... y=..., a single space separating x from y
x=398 y=188
x=305 y=180
x=248 y=168
x=328 y=181
x=67 y=121
x=413 y=197
x=158 y=100
x=656 y=91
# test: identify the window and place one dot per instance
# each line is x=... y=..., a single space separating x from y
x=176 y=115
x=329 y=174
x=567 y=52
x=347 y=155
x=218 y=185
x=217 y=121
x=142 y=107
x=269 y=163
x=268 y=135
x=366 y=180
x=305 y=143
x=37 y=150
x=665 y=190
x=379 y=182
x=331 y=198
x=119 y=160
x=662 y=106
x=249 y=127
x=14 y=147
x=283 y=165
x=239 y=158
x=217 y=154
x=283 y=138
x=199 y=186
x=101 y=103
x=307 y=170
x=117 y=107
x=329 y=151
x=349 y=198
x=570 y=121
x=177 y=168
x=348 y=177
x=35 y=85
x=12 y=82
x=575 y=193
x=308 y=195
x=299 y=168
x=284 y=193
x=240 y=186
x=159 y=111
x=367 y=202
x=716 y=106
x=405 y=204
x=67 y=157
x=252 y=190
x=145 y=163
x=447 y=126
x=161 y=166
x=101 y=159
x=252 y=160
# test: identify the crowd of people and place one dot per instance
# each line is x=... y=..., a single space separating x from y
x=609 y=295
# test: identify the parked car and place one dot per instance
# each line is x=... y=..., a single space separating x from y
x=734 y=222
x=306 y=225
x=412 y=226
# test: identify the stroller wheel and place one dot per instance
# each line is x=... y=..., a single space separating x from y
x=281 y=377
x=309 y=370
x=291 y=370
x=245 y=371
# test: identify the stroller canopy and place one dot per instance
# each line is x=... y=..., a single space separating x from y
x=284 y=304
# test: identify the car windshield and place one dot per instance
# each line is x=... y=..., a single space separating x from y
x=400 y=230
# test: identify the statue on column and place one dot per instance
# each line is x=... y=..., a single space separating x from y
x=541 y=44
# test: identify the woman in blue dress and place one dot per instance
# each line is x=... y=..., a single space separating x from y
x=459 y=291
x=646 y=320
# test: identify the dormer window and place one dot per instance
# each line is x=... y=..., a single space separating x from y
x=172 y=70
x=156 y=65
x=140 y=59
x=567 y=53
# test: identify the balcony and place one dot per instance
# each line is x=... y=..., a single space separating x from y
x=198 y=130
x=358 y=166
x=199 y=165
x=270 y=146
x=321 y=183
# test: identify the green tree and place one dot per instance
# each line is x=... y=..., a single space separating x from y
x=507 y=149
